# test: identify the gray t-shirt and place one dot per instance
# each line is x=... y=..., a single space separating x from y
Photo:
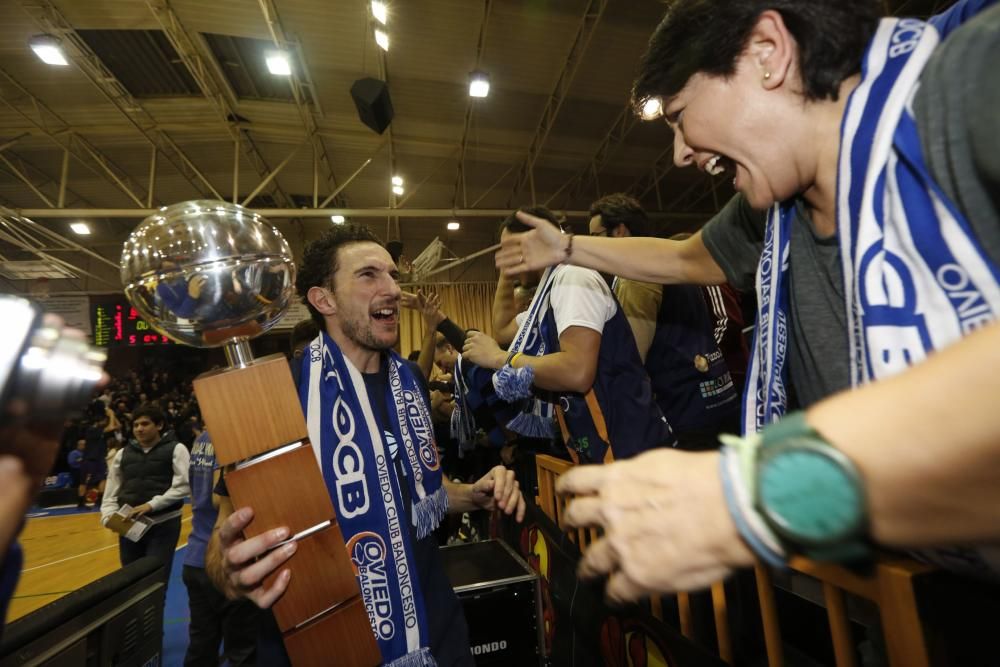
x=956 y=113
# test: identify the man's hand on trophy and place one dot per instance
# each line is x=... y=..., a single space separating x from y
x=246 y=563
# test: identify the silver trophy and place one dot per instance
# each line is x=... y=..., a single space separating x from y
x=209 y=273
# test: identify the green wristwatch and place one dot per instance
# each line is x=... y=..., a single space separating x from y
x=810 y=494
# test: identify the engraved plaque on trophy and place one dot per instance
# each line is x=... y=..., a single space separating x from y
x=211 y=274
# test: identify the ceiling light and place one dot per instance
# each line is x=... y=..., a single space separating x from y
x=397 y=189
x=453 y=225
x=382 y=39
x=80 y=228
x=479 y=84
x=651 y=109
x=48 y=49
x=380 y=12
x=337 y=219
x=277 y=63
x=397 y=180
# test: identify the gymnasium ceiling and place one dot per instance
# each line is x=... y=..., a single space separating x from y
x=187 y=80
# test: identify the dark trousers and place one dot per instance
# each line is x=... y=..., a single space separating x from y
x=216 y=619
x=160 y=541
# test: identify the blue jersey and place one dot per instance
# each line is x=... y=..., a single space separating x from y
x=690 y=376
x=204 y=513
x=618 y=417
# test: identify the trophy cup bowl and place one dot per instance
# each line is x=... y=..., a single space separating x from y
x=206 y=273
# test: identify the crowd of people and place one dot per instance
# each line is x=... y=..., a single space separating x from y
x=90 y=441
x=866 y=222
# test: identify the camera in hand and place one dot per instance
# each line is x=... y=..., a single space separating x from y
x=46 y=375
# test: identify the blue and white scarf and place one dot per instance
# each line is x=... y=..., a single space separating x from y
x=361 y=478
x=538 y=418
x=463 y=422
x=916 y=279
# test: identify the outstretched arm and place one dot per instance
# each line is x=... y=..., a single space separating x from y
x=926 y=442
x=639 y=258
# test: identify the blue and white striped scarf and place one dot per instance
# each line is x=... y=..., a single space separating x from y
x=916 y=278
x=361 y=478
x=538 y=418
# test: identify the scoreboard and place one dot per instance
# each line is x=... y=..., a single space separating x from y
x=117 y=323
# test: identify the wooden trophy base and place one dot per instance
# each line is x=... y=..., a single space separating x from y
x=255 y=421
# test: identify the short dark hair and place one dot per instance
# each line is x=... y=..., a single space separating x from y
x=621 y=209
x=152 y=411
x=319 y=261
x=441 y=341
x=512 y=224
x=708 y=36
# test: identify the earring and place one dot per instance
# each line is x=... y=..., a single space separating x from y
x=767 y=75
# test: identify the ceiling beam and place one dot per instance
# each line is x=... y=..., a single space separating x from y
x=588 y=26
x=49 y=124
x=132 y=213
x=213 y=91
x=470 y=106
x=47 y=181
x=50 y=19
x=36 y=239
x=10 y=142
x=299 y=93
x=614 y=137
x=21 y=176
x=662 y=166
x=293 y=134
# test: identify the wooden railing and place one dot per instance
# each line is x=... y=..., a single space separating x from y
x=889 y=587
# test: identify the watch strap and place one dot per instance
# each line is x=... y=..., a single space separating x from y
x=793 y=424
x=735 y=460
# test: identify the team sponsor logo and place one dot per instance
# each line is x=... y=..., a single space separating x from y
x=422 y=430
x=905 y=37
x=348 y=465
x=202 y=454
x=895 y=332
x=368 y=556
x=969 y=303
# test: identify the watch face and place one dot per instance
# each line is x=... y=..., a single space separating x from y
x=808 y=496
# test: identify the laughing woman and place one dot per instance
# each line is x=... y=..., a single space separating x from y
x=866 y=156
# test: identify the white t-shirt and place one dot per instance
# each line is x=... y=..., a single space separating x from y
x=579 y=298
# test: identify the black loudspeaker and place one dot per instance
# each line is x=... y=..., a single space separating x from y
x=371 y=97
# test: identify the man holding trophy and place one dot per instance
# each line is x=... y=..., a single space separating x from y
x=368 y=418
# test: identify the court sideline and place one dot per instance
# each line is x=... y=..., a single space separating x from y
x=67 y=548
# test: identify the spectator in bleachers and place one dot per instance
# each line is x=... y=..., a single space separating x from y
x=574 y=347
x=673 y=332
